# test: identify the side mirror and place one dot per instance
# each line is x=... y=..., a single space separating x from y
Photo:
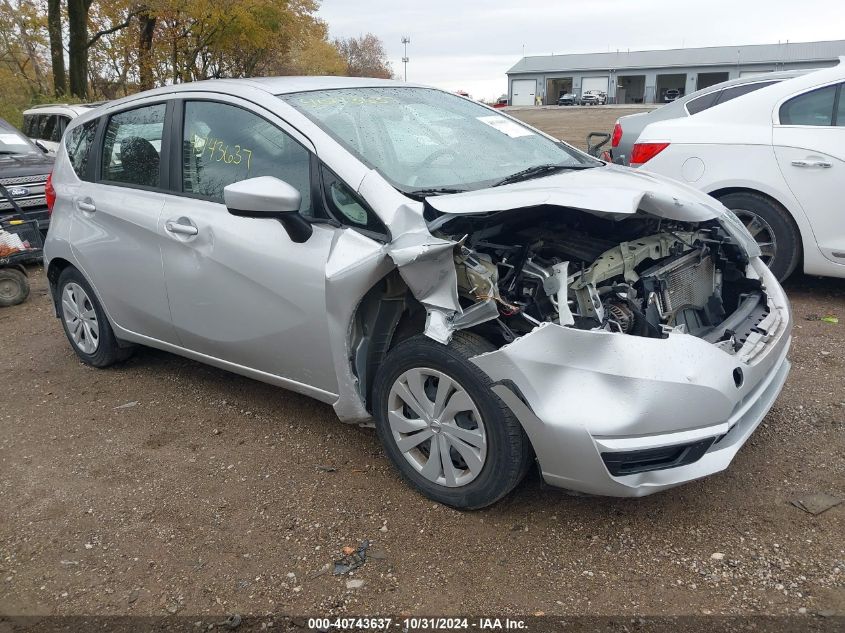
x=268 y=197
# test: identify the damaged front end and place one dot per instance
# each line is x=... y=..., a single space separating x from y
x=640 y=276
x=638 y=349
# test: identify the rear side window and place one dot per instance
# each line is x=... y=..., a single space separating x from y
x=810 y=108
x=737 y=91
x=699 y=104
x=223 y=144
x=50 y=124
x=78 y=145
x=28 y=125
x=132 y=146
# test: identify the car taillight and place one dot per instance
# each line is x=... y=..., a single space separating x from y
x=617 y=135
x=50 y=193
x=644 y=152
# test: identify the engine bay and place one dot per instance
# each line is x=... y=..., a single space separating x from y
x=641 y=276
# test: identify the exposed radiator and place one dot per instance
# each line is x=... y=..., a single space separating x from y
x=689 y=281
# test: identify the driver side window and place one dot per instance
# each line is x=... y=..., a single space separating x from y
x=223 y=144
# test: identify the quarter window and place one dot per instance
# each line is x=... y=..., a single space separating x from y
x=346 y=207
x=699 y=104
x=810 y=108
x=78 y=145
x=132 y=146
x=733 y=92
x=223 y=144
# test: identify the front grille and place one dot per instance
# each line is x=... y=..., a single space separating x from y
x=689 y=282
x=33 y=199
x=37 y=179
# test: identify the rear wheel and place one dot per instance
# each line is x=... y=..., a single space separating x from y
x=85 y=323
x=443 y=428
x=772 y=227
x=14 y=287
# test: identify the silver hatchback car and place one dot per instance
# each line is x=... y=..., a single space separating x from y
x=487 y=295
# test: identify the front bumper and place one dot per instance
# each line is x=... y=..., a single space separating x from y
x=583 y=396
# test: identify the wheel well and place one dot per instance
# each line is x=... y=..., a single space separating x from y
x=721 y=193
x=387 y=314
x=54 y=271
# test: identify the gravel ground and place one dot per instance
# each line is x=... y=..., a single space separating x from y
x=573 y=123
x=164 y=486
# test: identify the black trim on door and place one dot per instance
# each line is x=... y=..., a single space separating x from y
x=164 y=156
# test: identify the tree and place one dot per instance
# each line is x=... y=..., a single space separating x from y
x=57 y=51
x=79 y=44
x=146 y=29
x=365 y=56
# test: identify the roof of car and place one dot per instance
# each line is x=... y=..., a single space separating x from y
x=286 y=85
x=744 y=113
x=53 y=108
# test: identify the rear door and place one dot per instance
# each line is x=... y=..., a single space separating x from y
x=809 y=142
x=114 y=231
x=240 y=289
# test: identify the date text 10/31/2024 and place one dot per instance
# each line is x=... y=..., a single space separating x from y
x=418 y=624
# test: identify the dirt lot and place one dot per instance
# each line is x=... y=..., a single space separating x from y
x=573 y=123
x=164 y=486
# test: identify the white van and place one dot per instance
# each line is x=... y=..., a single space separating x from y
x=45 y=124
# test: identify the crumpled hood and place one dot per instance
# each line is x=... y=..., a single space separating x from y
x=608 y=190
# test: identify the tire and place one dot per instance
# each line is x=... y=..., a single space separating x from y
x=466 y=480
x=14 y=287
x=765 y=217
x=91 y=336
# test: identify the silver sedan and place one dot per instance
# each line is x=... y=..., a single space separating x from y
x=485 y=295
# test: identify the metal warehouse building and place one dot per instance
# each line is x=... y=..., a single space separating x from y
x=646 y=76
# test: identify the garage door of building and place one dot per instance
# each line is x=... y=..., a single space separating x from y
x=596 y=84
x=524 y=92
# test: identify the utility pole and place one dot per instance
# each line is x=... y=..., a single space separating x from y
x=405 y=41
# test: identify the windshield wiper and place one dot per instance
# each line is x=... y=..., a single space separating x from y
x=435 y=191
x=537 y=170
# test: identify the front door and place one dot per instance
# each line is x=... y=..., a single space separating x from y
x=240 y=290
x=809 y=143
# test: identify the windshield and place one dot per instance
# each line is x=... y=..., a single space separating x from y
x=426 y=140
x=13 y=142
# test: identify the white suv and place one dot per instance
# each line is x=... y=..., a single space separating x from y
x=45 y=124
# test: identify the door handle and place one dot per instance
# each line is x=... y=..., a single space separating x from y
x=86 y=205
x=174 y=226
x=812 y=163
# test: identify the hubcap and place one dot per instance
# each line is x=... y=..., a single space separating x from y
x=80 y=318
x=437 y=427
x=8 y=288
x=761 y=231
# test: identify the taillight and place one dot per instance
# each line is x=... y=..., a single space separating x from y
x=644 y=152
x=617 y=135
x=50 y=193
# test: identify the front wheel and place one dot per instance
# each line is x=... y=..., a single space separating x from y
x=443 y=428
x=772 y=227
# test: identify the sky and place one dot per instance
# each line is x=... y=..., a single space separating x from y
x=470 y=44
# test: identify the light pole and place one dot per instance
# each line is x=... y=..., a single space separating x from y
x=405 y=41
